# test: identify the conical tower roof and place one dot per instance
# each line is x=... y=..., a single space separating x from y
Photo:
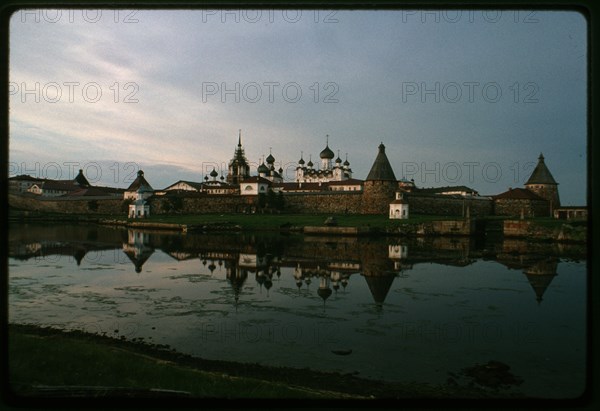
x=541 y=174
x=140 y=181
x=81 y=180
x=381 y=169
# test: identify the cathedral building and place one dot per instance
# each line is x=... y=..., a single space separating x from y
x=239 y=170
x=329 y=169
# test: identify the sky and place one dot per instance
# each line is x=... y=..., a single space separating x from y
x=458 y=97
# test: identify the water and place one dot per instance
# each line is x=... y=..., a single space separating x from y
x=398 y=309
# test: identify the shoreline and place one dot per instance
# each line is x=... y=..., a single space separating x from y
x=544 y=230
x=312 y=383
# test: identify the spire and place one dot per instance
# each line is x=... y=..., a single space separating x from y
x=240 y=138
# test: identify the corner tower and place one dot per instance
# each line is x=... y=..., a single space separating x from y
x=543 y=184
x=380 y=186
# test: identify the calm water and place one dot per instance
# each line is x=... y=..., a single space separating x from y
x=409 y=310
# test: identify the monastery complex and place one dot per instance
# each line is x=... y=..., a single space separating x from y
x=327 y=187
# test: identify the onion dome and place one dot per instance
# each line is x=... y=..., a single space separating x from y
x=214 y=173
x=310 y=163
x=280 y=170
x=301 y=161
x=327 y=153
x=346 y=163
x=270 y=159
x=263 y=169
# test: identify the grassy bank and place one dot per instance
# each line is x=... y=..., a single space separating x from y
x=275 y=221
x=42 y=357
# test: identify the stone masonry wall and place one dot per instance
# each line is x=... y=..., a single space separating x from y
x=531 y=208
x=377 y=196
x=87 y=205
x=324 y=203
x=441 y=205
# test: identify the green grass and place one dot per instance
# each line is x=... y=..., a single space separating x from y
x=41 y=357
x=57 y=360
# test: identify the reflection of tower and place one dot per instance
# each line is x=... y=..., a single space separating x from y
x=324 y=291
x=540 y=275
x=377 y=270
x=237 y=277
x=397 y=253
x=137 y=248
x=79 y=254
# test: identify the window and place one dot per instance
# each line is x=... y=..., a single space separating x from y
x=248 y=188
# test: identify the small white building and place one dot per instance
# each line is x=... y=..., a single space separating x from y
x=399 y=207
x=254 y=186
x=139 y=182
x=139 y=208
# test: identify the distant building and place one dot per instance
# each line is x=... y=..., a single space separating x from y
x=140 y=208
x=543 y=184
x=239 y=169
x=520 y=201
x=329 y=170
x=463 y=191
x=571 y=213
x=380 y=186
x=139 y=182
x=254 y=186
x=399 y=207
x=22 y=183
x=57 y=188
x=268 y=171
x=216 y=187
x=350 y=184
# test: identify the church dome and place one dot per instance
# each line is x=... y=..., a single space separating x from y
x=214 y=173
x=301 y=161
x=263 y=169
x=327 y=153
x=270 y=159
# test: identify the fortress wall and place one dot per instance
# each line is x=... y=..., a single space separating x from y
x=442 y=205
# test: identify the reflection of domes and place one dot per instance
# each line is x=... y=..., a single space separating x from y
x=324 y=293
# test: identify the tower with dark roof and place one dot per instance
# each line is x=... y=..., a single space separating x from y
x=239 y=170
x=380 y=186
x=543 y=184
x=81 y=180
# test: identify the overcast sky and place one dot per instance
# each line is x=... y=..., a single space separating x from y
x=458 y=98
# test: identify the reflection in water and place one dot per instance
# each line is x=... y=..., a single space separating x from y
x=328 y=262
x=439 y=304
x=138 y=248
